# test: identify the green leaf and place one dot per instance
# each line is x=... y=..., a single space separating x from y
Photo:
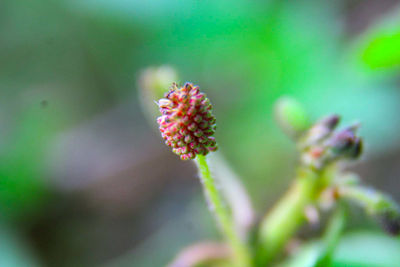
x=383 y=51
x=360 y=249
x=380 y=45
x=365 y=249
x=307 y=257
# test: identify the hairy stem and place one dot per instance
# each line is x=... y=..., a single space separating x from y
x=287 y=216
x=222 y=214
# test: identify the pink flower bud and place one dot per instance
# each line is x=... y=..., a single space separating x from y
x=187 y=123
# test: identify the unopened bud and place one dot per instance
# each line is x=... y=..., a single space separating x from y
x=357 y=149
x=342 y=141
x=346 y=143
x=291 y=116
x=153 y=83
x=321 y=130
x=322 y=145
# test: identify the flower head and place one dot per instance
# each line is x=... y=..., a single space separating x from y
x=187 y=124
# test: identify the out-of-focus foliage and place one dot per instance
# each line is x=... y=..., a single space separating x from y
x=14 y=251
x=359 y=249
x=22 y=188
x=380 y=49
x=367 y=249
x=67 y=64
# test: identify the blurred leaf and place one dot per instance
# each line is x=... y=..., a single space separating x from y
x=361 y=249
x=383 y=51
x=380 y=47
x=23 y=191
x=307 y=257
x=366 y=249
x=13 y=252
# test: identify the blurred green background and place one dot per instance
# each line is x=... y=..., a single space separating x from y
x=84 y=178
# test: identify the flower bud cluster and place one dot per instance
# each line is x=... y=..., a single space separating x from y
x=187 y=124
x=322 y=144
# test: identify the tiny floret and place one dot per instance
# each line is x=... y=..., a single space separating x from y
x=187 y=124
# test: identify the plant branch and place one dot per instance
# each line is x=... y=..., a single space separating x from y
x=287 y=216
x=372 y=200
x=332 y=235
x=222 y=214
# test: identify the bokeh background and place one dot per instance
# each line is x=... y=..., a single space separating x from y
x=85 y=179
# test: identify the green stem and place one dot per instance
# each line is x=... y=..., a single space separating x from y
x=377 y=204
x=222 y=214
x=373 y=201
x=287 y=216
x=332 y=236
